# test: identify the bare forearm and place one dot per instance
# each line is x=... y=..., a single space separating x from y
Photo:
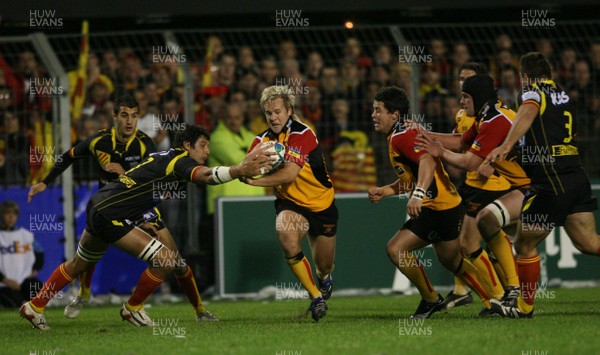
x=450 y=141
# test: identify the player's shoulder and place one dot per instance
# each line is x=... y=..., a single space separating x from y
x=299 y=127
x=141 y=135
x=497 y=111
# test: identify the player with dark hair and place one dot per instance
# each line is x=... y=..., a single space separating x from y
x=111 y=213
x=470 y=238
x=560 y=193
x=305 y=197
x=116 y=151
x=434 y=206
x=493 y=195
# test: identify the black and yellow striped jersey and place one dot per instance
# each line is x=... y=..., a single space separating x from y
x=105 y=148
x=161 y=176
x=549 y=151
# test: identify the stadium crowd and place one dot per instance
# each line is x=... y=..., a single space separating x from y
x=334 y=96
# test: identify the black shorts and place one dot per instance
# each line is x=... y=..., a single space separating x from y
x=106 y=228
x=545 y=208
x=153 y=217
x=320 y=223
x=435 y=226
x=475 y=199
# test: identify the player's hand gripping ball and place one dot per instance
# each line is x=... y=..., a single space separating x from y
x=279 y=151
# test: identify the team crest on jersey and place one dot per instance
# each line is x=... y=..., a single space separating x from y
x=399 y=170
x=416 y=148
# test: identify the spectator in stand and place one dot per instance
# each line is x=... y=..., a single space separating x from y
x=246 y=61
x=353 y=53
x=451 y=107
x=594 y=54
x=311 y=107
x=439 y=61
x=248 y=84
x=566 y=67
x=329 y=87
x=508 y=90
x=10 y=78
x=228 y=142
x=581 y=91
x=30 y=69
x=314 y=65
x=400 y=77
x=544 y=46
x=328 y=131
x=226 y=72
x=14 y=151
x=383 y=55
x=431 y=81
x=287 y=50
x=110 y=65
x=504 y=55
x=6 y=98
x=132 y=72
x=161 y=76
x=290 y=68
x=380 y=74
x=434 y=112
x=351 y=88
x=460 y=56
x=268 y=71
x=21 y=259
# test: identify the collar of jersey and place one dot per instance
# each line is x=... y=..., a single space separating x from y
x=113 y=136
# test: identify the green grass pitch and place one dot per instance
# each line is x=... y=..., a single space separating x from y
x=566 y=322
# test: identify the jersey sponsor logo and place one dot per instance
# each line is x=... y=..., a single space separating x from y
x=476 y=146
x=416 y=149
x=294 y=152
x=133 y=158
x=559 y=98
x=127 y=181
x=16 y=248
x=399 y=170
x=560 y=150
x=531 y=95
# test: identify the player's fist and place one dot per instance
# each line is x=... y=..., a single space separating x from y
x=375 y=194
x=35 y=189
x=114 y=168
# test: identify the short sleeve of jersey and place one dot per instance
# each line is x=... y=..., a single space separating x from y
x=469 y=136
x=186 y=167
x=299 y=146
x=405 y=145
x=530 y=96
x=491 y=134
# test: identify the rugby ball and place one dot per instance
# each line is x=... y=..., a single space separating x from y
x=279 y=152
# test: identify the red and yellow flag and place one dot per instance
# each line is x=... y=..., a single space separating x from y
x=78 y=91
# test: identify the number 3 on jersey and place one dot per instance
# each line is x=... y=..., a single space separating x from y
x=569 y=126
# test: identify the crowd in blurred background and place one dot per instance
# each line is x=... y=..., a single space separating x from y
x=334 y=95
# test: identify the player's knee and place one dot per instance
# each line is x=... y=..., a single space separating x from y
x=490 y=219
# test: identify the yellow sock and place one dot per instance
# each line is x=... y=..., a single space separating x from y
x=472 y=278
x=523 y=306
x=502 y=249
x=412 y=268
x=481 y=261
x=301 y=268
x=460 y=288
